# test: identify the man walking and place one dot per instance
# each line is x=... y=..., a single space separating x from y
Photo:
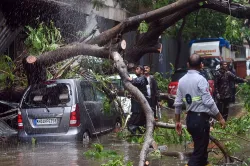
x=138 y=117
x=152 y=90
x=223 y=87
x=193 y=90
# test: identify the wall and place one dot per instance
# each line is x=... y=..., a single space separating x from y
x=7 y=33
x=161 y=63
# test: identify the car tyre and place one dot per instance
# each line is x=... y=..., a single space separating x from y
x=85 y=137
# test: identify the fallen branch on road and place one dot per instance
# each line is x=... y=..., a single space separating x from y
x=167 y=125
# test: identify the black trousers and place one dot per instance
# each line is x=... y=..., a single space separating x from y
x=152 y=105
x=223 y=106
x=233 y=95
x=198 y=126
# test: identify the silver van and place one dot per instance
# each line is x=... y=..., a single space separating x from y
x=64 y=110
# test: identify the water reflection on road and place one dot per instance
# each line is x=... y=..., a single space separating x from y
x=70 y=154
x=13 y=153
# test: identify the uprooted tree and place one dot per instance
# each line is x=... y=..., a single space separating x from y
x=106 y=45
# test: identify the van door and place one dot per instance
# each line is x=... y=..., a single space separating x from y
x=92 y=106
x=108 y=110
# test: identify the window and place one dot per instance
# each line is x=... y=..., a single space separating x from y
x=87 y=91
x=99 y=95
x=51 y=95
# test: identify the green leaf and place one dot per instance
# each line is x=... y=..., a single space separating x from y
x=143 y=27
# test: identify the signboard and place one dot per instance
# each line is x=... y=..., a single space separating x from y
x=206 y=48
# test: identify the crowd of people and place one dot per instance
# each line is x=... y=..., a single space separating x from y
x=193 y=91
x=147 y=84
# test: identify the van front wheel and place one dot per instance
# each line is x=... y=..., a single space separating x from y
x=85 y=137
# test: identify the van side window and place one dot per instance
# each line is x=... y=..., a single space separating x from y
x=99 y=95
x=88 y=92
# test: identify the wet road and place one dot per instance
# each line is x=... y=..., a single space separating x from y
x=71 y=154
x=13 y=153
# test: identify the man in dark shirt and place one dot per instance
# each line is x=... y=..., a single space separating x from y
x=138 y=117
x=223 y=89
x=152 y=90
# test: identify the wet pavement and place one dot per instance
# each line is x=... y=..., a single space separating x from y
x=71 y=154
x=14 y=153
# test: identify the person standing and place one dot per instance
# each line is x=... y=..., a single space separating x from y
x=223 y=89
x=152 y=90
x=232 y=82
x=138 y=117
x=193 y=90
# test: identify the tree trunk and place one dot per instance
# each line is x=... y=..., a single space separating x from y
x=122 y=69
x=35 y=70
x=179 y=39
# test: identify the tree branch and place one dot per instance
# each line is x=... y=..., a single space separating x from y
x=167 y=125
x=155 y=30
x=237 y=10
x=133 y=22
x=122 y=68
x=227 y=157
x=60 y=54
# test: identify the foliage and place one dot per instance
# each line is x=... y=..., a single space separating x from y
x=106 y=86
x=245 y=33
x=143 y=27
x=155 y=153
x=106 y=105
x=233 y=32
x=161 y=135
x=162 y=81
x=244 y=94
x=235 y=127
x=246 y=163
x=203 y=23
x=136 y=139
x=7 y=76
x=98 y=152
x=97 y=65
x=42 y=39
x=6 y=68
x=118 y=162
x=169 y=136
x=97 y=4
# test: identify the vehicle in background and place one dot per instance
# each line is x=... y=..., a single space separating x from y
x=122 y=98
x=173 y=85
x=65 y=110
x=213 y=50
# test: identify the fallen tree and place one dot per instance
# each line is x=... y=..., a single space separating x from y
x=105 y=46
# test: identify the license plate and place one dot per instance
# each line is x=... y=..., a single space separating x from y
x=45 y=121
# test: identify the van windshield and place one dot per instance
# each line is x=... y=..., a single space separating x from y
x=48 y=95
